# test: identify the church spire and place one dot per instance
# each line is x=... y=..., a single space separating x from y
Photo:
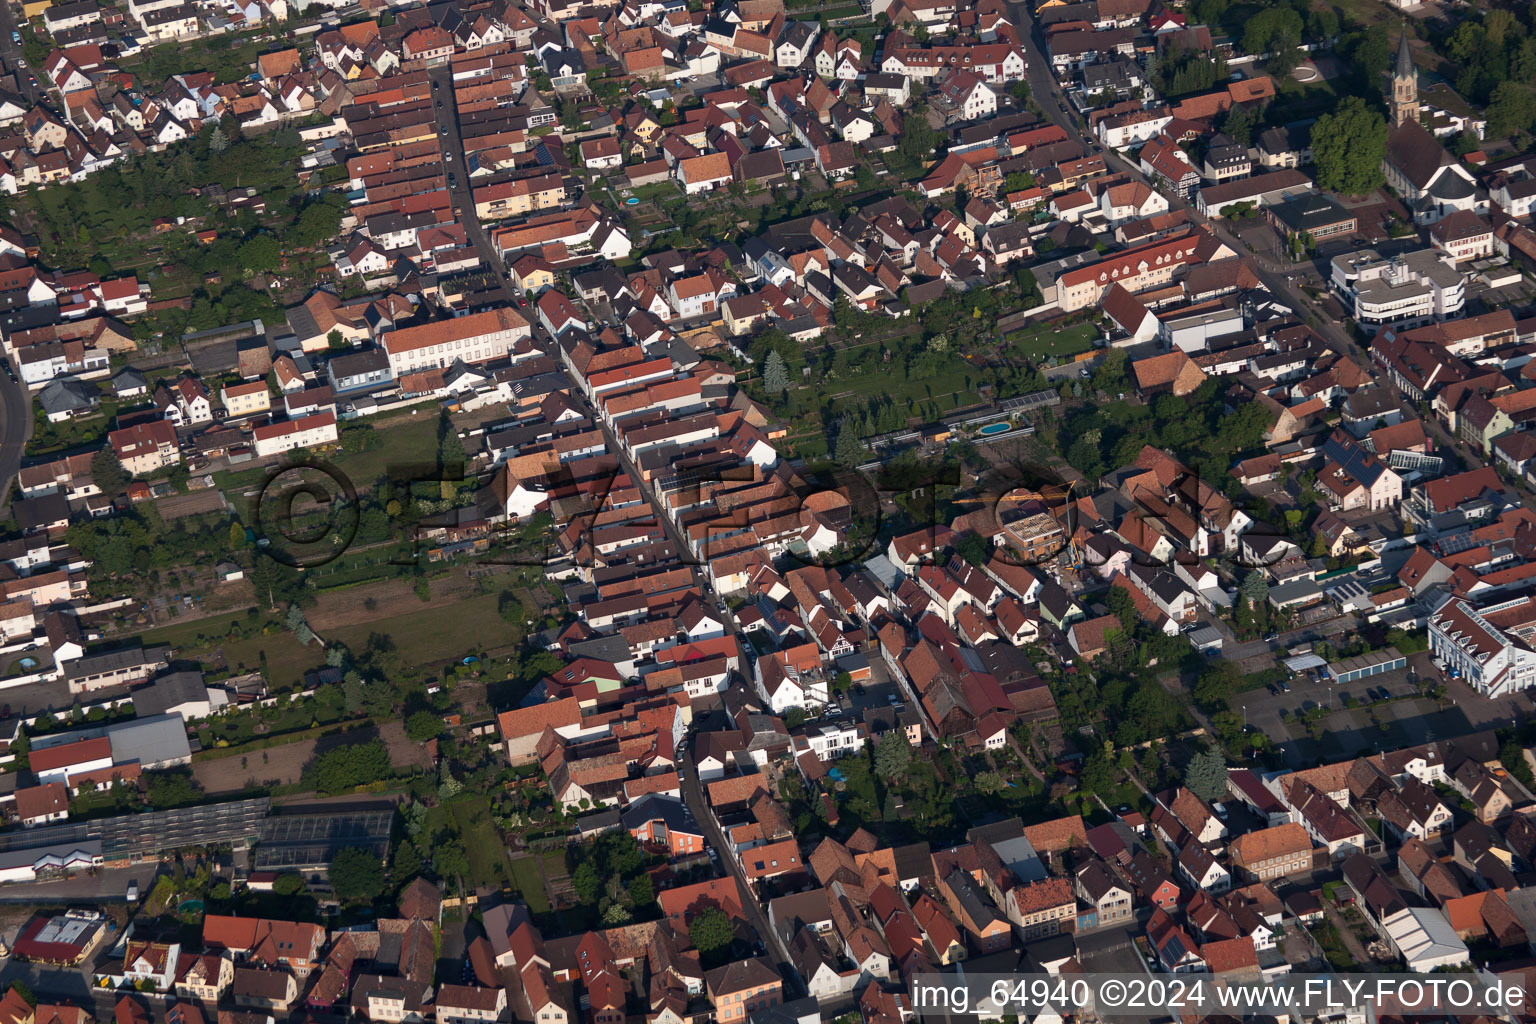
x=1405 y=83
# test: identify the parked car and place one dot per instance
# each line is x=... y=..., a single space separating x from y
x=1285 y=687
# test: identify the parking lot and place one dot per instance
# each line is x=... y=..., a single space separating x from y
x=1377 y=713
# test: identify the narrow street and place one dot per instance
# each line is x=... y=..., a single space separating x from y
x=11 y=52
x=463 y=193
x=693 y=796
x=693 y=792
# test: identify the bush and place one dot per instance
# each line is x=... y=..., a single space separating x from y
x=338 y=770
x=356 y=876
x=422 y=726
x=290 y=883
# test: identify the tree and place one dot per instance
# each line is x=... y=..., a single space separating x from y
x=335 y=341
x=1239 y=125
x=276 y=582
x=917 y=138
x=775 y=374
x=1122 y=606
x=1206 y=775
x=449 y=856
x=107 y=472
x=342 y=768
x=356 y=875
x=289 y=883
x=422 y=726
x=450 y=450
x=406 y=863
x=973 y=548
x=318 y=223
x=1348 y=146
x=1255 y=588
x=1511 y=109
x=849 y=452
x=642 y=891
x=260 y=252
x=989 y=782
x=172 y=789
x=893 y=755
x=218 y=142
x=711 y=930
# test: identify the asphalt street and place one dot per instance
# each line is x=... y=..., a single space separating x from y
x=11 y=53
x=452 y=144
x=15 y=427
x=453 y=151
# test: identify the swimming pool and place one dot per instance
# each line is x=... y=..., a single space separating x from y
x=995 y=428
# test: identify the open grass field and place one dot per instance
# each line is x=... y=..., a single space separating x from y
x=1041 y=341
x=204 y=640
x=470 y=816
x=406 y=439
x=428 y=633
x=487 y=852
x=529 y=882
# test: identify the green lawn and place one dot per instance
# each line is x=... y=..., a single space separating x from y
x=487 y=852
x=406 y=440
x=286 y=659
x=529 y=883
x=436 y=634
x=1042 y=341
x=1295 y=101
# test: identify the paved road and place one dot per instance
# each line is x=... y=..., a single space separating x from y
x=452 y=145
x=26 y=81
x=693 y=796
x=15 y=425
x=15 y=400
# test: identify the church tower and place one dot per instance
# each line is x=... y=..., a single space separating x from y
x=1405 y=85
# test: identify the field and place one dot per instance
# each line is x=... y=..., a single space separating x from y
x=276 y=766
x=470 y=816
x=284 y=658
x=529 y=883
x=195 y=504
x=440 y=631
x=1042 y=341
x=403 y=752
x=406 y=440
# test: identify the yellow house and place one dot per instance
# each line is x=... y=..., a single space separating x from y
x=742 y=313
x=35 y=8
x=242 y=400
x=532 y=274
x=516 y=198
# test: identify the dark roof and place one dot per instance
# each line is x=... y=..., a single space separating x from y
x=670 y=810
x=1416 y=153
